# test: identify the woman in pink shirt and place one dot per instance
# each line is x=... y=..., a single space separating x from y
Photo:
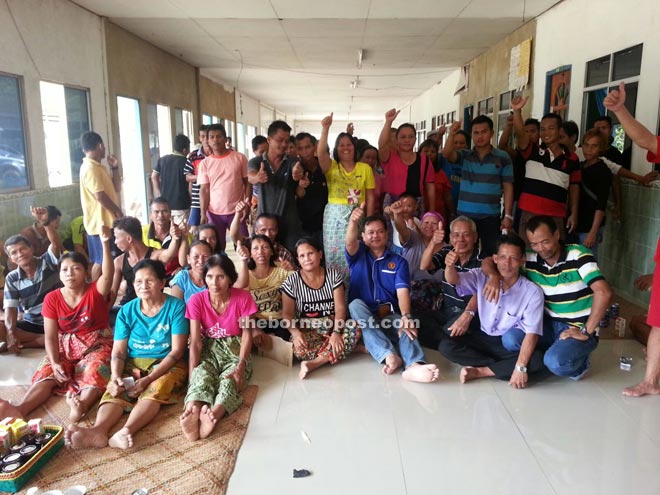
x=220 y=344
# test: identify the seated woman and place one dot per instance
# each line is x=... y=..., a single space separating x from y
x=315 y=309
x=78 y=339
x=190 y=280
x=220 y=344
x=258 y=273
x=151 y=334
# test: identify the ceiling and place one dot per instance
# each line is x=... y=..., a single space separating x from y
x=301 y=57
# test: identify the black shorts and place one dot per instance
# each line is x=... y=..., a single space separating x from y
x=30 y=327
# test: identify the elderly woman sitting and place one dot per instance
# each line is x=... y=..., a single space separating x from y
x=151 y=334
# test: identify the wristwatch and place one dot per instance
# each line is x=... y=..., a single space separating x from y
x=522 y=369
x=407 y=315
x=470 y=312
x=584 y=331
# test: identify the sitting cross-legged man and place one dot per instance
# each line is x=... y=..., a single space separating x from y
x=492 y=351
x=380 y=300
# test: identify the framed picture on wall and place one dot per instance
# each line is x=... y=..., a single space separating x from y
x=557 y=91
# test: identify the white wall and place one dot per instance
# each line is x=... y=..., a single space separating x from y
x=247 y=109
x=576 y=31
x=437 y=100
x=63 y=44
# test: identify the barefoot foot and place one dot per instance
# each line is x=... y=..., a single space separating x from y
x=642 y=388
x=392 y=363
x=304 y=369
x=207 y=421
x=121 y=440
x=85 y=438
x=190 y=423
x=9 y=410
x=77 y=409
x=470 y=373
x=424 y=373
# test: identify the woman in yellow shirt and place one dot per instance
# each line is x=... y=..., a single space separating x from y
x=350 y=183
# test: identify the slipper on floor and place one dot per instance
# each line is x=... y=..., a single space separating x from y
x=3 y=347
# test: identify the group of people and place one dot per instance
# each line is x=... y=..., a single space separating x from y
x=365 y=250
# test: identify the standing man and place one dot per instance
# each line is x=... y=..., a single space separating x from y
x=641 y=136
x=28 y=284
x=277 y=176
x=552 y=173
x=222 y=178
x=312 y=192
x=190 y=171
x=98 y=196
x=381 y=302
x=486 y=176
x=169 y=179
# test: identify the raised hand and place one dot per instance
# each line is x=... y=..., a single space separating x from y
x=40 y=214
x=242 y=251
x=113 y=161
x=357 y=213
x=327 y=121
x=262 y=175
x=305 y=182
x=442 y=130
x=396 y=208
x=451 y=258
x=350 y=129
x=455 y=127
x=106 y=234
x=391 y=115
x=518 y=102
x=439 y=235
x=616 y=99
x=297 y=172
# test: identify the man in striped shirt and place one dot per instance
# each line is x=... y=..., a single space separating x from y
x=576 y=297
x=486 y=178
x=190 y=171
x=552 y=173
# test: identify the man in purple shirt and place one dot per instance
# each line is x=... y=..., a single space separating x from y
x=493 y=351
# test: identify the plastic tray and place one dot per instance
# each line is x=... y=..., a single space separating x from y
x=13 y=482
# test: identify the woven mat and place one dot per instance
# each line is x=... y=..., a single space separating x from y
x=161 y=460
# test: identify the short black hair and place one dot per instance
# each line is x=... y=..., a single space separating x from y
x=572 y=130
x=510 y=239
x=462 y=133
x=538 y=220
x=203 y=128
x=156 y=266
x=258 y=141
x=181 y=142
x=366 y=148
x=534 y=122
x=310 y=241
x=408 y=195
x=375 y=218
x=130 y=225
x=301 y=136
x=75 y=257
x=278 y=125
x=158 y=200
x=90 y=140
x=53 y=213
x=554 y=116
x=429 y=143
x=217 y=128
x=604 y=118
x=482 y=119
x=197 y=242
x=224 y=263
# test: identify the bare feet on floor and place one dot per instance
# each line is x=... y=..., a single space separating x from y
x=77 y=409
x=207 y=421
x=9 y=410
x=190 y=423
x=425 y=373
x=392 y=363
x=470 y=373
x=642 y=388
x=304 y=369
x=85 y=438
x=121 y=440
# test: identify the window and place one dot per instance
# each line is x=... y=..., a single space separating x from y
x=134 y=194
x=13 y=159
x=160 y=132
x=240 y=145
x=206 y=119
x=183 y=123
x=229 y=129
x=504 y=112
x=251 y=133
x=65 y=114
x=603 y=75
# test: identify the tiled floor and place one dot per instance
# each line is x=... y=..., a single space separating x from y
x=372 y=434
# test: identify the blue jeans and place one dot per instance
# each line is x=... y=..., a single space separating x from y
x=381 y=338
x=599 y=239
x=568 y=357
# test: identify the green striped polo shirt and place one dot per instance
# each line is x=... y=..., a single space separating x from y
x=566 y=285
